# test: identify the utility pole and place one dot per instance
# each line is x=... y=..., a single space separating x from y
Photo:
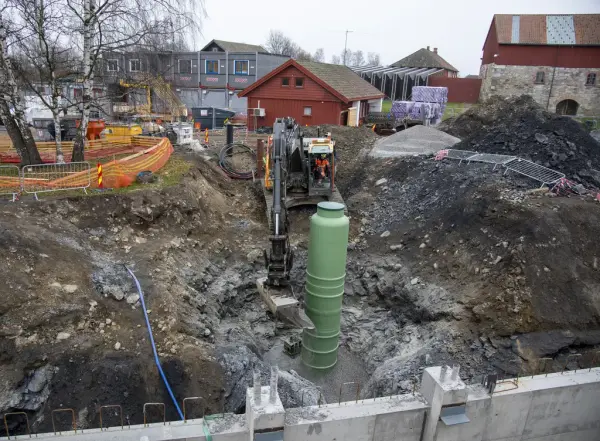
x=346 y=46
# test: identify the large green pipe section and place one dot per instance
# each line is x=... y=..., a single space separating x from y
x=325 y=276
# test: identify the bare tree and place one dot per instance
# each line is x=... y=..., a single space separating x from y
x=278 y=43
x=335 y=59
x=108 y=25
x=373 y=59
x=357 y=58
x=303 y=55
x=44 y=59
x=11 y=107
x=346 y=57
x=319 y=55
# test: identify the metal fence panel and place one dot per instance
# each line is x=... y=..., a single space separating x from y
x=534 y=171
x=491 y=158
x=43 y=178
x=10 y=182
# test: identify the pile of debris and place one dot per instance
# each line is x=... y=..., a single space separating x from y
x=519 y=126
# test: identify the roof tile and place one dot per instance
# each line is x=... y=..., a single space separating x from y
x=342 y=79
x=424 y=58
x=533 y=28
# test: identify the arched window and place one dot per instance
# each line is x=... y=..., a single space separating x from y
x=567 y=107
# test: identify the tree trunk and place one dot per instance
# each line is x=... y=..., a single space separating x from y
x=14 y=120
x=27 y=150
x=60 y=159
x=79 y=143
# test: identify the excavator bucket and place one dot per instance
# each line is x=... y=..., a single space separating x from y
x=283 y=304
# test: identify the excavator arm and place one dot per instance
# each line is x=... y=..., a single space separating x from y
x=279 y=260
x=275 y=289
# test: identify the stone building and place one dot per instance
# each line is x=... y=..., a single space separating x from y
x=553 y=58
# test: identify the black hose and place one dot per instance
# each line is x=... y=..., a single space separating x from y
x=225 y=156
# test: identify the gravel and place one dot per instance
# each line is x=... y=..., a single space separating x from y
x=418 y=140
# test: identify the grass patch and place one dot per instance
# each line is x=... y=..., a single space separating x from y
x=171 y=174
x=454 y=109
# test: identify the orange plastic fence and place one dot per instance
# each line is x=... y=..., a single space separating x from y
x=99 y=148
x=123 y=172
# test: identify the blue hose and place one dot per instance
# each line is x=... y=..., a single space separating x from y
x=156 y=360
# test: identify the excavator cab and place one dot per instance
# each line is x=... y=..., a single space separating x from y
x=321 y=162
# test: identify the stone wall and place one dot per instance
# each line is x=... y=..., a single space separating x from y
x=569 y=83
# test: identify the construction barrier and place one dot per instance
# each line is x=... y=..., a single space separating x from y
x=42 y=178
x=99 y=148
x=152 y=154
x=10 y=181
x=123 y=172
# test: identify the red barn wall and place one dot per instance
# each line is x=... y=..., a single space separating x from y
x=279 y=101
x=460 y=90
x=326 y=112
x=555 y=56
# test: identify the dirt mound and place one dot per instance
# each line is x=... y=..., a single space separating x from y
x=519 y=126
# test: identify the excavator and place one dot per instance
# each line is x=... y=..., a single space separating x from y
x=298 y=171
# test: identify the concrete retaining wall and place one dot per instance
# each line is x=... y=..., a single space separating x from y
x=553 y=407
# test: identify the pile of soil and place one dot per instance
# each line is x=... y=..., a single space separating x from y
x=519 y=126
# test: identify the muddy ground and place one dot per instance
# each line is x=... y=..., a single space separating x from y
x=447 y=263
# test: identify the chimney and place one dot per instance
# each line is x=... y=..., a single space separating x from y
x=435 y=50
x=428 y=48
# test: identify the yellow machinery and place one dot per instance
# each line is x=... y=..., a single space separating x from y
x=121 y=130
x=163 y=91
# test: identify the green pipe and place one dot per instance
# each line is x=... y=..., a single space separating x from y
x=325 y=276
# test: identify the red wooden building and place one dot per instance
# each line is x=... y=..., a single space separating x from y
x=312 y=93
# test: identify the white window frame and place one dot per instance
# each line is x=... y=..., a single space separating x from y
x=206 y=67
x=116 y=61
x=140 y=63
x=241 y=61
x=309 y=108
x=179 y=66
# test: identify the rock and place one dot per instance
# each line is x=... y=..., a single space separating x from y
x=542 y=139
x=62 y=336
x=535 y=345
x=108 y=321
x=70 y=289
x=546 y=269
x=414 y=281
x=396 y=247
x=423 y=245
x=254 y=256
x=38 y=380
x=239 y=362
x=497 y=260
x=140 y=240
x=115 y=292
x=117 y=346
x=207 y=332
x=435 y=266
x=385 y=234
x=380 y=182
x=132 y=299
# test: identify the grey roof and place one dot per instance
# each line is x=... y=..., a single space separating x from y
x=342 y=79
x=424 y=58
x=231 y=46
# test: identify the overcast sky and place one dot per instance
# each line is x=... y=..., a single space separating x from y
x=456 y=27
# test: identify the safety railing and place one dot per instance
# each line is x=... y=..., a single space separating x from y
x=42 y=178
x=10 y=181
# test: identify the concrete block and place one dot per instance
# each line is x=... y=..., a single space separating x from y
x=454 y=390
x=264 y=415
